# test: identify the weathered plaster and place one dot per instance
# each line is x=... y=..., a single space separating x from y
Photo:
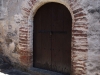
x=93 y=62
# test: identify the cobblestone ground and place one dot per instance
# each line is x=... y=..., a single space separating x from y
x=7 y=69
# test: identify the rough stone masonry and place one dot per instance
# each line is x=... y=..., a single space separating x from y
x=16 y=33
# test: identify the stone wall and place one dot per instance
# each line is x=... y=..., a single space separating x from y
x=16 y=31
x=93 y=62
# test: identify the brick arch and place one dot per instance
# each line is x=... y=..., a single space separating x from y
x=79 y=33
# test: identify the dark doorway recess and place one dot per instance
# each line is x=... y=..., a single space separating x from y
x=52 y=38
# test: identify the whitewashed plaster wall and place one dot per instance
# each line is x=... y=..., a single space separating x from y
x=93 y=62
x=9 y=29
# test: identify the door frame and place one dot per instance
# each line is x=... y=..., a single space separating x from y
x=50 y=54
x=79 y=47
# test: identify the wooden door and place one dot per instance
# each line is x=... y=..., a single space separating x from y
x=52 y=38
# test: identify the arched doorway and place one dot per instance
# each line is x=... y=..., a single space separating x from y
x=52 y=38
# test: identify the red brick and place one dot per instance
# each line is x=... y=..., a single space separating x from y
x=79 y=14
x=81 y=19
x=26 y=9
x=82 y=35
x=23 y=52
x=23 y=42
x=24 y=59
x=77 y=10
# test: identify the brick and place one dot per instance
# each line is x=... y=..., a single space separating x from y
x=81 y=19
x=79 y=14
x=80 y=24
x=26 y=9
x=25 y=49
x=24 y=52
x=80 y=50
x=24 y=45
x=24 y=59
x=82 y=35
x=23 y=39
x=79 y=32
x=77 y=10
x=23 y=42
